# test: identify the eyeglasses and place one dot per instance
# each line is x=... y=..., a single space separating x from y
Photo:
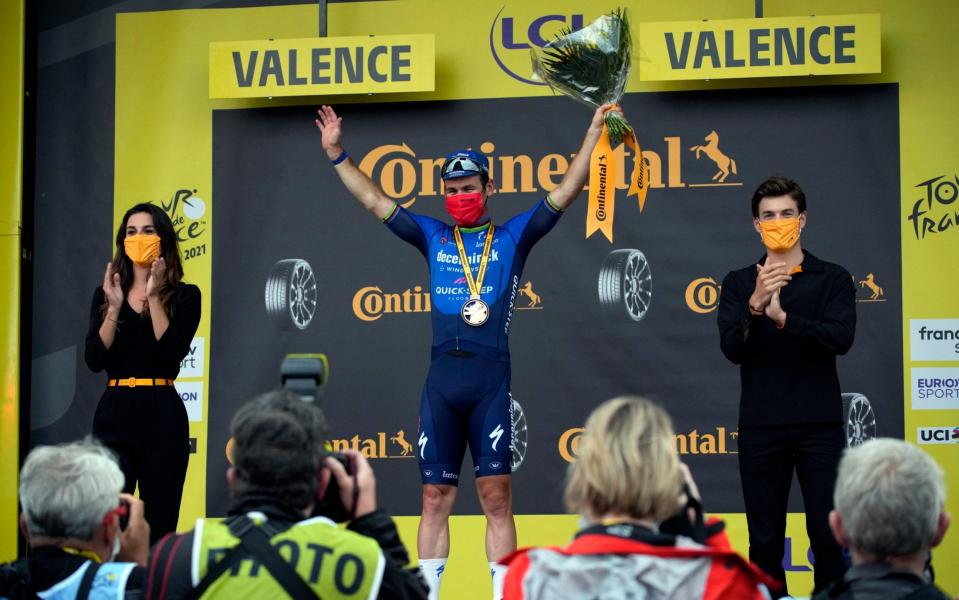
x=462 y=163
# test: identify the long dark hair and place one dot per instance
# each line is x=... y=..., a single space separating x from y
x=169 y=251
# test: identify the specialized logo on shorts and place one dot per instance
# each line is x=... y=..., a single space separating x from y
x=422 y=444
x=495 y=435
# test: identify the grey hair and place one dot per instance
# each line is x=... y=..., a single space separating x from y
x=66 y=490
x=889 y=495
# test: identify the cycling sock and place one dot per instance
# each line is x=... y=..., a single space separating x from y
x=432 y=569
x=498 y=572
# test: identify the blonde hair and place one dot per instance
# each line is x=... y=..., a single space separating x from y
x=627 y=463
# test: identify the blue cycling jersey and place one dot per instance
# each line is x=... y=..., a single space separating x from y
x=511 y=244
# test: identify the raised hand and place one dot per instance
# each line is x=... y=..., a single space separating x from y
x=112 y=290
x=156 y=277
x=330 y=131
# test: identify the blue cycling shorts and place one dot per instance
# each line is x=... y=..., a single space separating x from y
x=466 y=399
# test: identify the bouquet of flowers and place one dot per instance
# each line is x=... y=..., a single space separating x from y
x=590 y=65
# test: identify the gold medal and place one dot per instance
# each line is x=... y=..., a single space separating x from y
x=475 y=311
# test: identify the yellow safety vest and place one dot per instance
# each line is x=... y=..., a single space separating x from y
x=334 y=562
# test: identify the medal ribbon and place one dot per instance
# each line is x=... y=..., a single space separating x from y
x=475 y=285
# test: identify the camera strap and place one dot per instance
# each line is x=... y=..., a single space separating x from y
x=257 y=543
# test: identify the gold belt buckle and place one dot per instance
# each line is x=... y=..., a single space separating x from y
x=132 y=382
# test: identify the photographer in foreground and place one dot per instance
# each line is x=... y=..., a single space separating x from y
x=644 y=525
x=274 y=543
x=77 y=524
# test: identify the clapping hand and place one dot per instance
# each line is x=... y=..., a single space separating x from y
x=112 y=290
x=156 y=278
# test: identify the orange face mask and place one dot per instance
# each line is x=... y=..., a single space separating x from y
x=779 y=235
x=143 y=248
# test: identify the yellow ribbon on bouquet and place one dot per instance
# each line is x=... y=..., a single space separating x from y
x=602 y=183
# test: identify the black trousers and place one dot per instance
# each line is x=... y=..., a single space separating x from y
x=767 y=458
x=148 y=429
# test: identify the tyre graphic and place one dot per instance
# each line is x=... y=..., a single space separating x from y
x=291 y=294
x=859 y=420
x=520 y=436
x=626 y=284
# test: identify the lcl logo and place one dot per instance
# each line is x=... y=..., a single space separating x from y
x=510 y=40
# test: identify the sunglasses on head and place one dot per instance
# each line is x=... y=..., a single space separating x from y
x=462 y=163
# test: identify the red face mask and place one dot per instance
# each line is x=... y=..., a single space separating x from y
x=466 y=209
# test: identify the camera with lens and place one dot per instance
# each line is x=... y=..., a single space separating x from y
x=305 y=375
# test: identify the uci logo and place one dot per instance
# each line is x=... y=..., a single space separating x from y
x=510 y=40
x=702 y=295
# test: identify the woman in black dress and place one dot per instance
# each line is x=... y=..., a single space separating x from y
x=142 y=322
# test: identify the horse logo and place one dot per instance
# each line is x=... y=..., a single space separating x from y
x=870 y=282
x=725 y=164
x=534 y=298
x=400 y=438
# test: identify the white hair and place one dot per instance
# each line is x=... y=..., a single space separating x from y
x=66 y=490
x=889 y=495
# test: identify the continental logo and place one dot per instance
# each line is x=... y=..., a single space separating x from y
x=720 y=440
x=370 y=303
x=405 y=175
x=374 y=447
x=868 y=290
x=936 y=211
x=381 y=445
x=725 y=164
x=702 y=295
x=511 y=38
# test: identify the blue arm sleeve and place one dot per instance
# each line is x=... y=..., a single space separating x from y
x=412 y=228
x=529 y=227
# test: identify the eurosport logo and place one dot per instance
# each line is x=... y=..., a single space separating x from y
x=938 y=435
x=935 y=388
x=511 y=38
